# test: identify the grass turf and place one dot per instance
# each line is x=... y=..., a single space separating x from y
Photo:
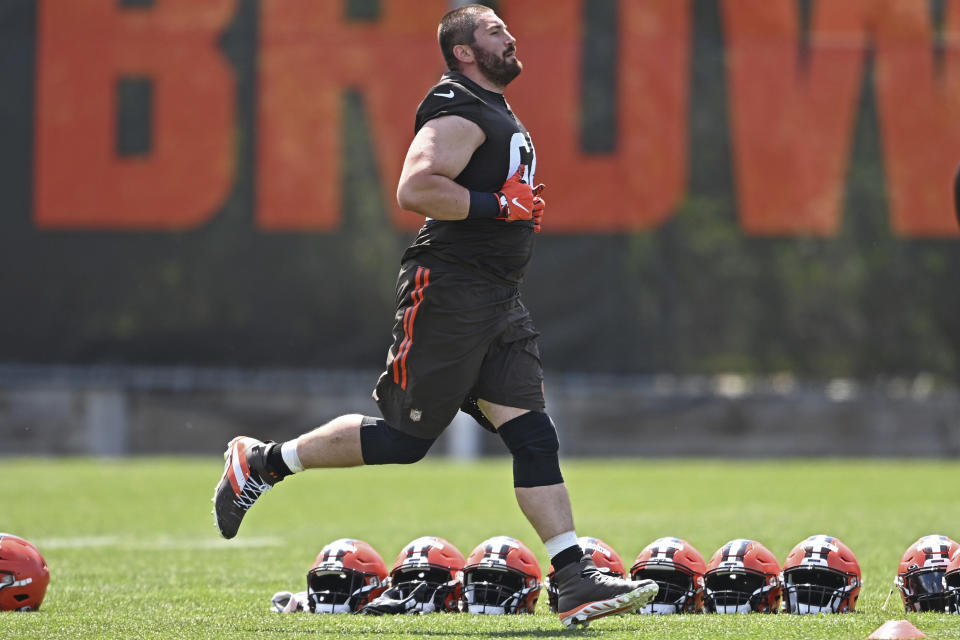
x=134 y=554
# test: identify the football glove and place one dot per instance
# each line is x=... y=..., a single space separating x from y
x=516 y=198
x=539 y=204
x=287 y=602
x=392 y=601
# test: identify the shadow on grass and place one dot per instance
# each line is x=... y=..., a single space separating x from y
x=459 y=633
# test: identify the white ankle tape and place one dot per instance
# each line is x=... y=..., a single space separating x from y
x=558 y=543
x=289 y=452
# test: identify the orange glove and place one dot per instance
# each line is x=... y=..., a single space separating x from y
x=516 y=198
x=539 y=204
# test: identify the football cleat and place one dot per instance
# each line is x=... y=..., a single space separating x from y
x=585 y=593
x=245 y=478
x=607 y=560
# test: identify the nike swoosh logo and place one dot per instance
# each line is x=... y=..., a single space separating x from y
x=448 y=94
x=520 y=205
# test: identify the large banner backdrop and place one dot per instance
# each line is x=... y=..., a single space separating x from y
x=748 y=185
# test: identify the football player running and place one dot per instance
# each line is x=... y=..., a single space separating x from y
x=461 y=338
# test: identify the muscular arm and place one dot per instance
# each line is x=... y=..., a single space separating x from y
x=437 y=155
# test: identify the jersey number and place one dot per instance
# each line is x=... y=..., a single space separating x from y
x=522 y=153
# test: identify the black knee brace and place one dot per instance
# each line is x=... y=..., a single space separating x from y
x=382 y=444
x=532 y=439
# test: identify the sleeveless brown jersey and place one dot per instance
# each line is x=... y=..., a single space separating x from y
x=495 y=249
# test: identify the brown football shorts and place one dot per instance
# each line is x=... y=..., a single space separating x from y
x=456 y=336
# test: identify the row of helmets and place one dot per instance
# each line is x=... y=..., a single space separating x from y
x=501 y=575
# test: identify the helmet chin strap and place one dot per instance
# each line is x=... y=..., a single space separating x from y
x=323 y=607
x=746 y=607
x=736 y=608
x=488 y=609
x=660 y=608
x=509 y=605
x=836 y=599
x=805 y=608
x=358 y=596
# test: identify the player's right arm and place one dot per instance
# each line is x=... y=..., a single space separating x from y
x=439 y=152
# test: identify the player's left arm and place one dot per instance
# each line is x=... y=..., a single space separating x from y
x=438 y=154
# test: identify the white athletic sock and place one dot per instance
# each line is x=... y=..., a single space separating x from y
x=558 y=543
x=289 y=452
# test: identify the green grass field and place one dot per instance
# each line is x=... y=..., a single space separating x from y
x=134 y=554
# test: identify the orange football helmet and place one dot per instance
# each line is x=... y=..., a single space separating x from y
x=434 y=562
x=501 y=576
x=607 y=561
x=742 y=576
x=821 y=575
x=24 y=574
x=951 y=584
x=346 y=575
x=921 y=571
x=677 y=568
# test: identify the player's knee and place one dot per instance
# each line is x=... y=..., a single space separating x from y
x=382 y=444
x=532 y=440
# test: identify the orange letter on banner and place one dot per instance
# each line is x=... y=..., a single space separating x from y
x=309 y=55
x=919 y=107
x=83 y=50
x=792 y=117
x=640 y=184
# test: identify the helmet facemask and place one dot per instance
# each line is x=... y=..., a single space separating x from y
x=8 y=579
x=737 y=591
x=431 y=588
x=493 y=590
x=677 y=593
x=923 y=589
x=338 y=591
x=817 y=590
x=951 y=590
x=24 y=574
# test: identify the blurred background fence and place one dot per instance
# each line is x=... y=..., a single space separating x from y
x=749 y=249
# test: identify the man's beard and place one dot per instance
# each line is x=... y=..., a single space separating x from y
x=496 y=68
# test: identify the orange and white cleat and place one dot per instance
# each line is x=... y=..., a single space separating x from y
x=244 y=479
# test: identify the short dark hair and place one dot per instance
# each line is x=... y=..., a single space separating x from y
x=458 y=26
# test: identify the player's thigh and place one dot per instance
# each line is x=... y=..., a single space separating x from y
x=445 y=324
x=499 y=414
x=511 y=375
x=431 y=399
